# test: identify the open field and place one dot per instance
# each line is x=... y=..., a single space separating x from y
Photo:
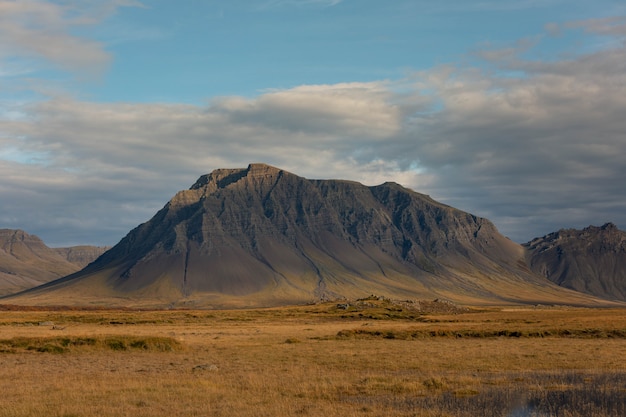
x=373 y=358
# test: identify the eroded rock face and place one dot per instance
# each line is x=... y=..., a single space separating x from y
x=591 y=260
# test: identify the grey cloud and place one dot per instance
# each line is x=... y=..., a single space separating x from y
x=546 y=145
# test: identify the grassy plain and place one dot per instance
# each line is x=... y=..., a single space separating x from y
x=373 y=358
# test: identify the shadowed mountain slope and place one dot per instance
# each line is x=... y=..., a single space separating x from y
x=26 y=262
x=592 y=260
x=261 y=236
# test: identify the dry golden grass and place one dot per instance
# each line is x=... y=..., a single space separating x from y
x=312 y=360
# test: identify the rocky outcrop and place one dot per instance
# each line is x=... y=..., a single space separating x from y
x=591 y=260
x=261 y=236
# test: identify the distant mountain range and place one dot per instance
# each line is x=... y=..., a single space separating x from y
x=26 y=262
x=261 y=236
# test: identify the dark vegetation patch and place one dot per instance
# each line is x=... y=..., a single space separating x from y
x=424 y=333
x=72 y=344
x=14 y=307
x=381 y=308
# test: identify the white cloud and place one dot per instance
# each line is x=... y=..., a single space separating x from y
x=336 y=119
x=361 y=110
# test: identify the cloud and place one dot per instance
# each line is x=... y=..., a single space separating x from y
x=360 y=110
x=342 y=120
x=532 y=145
x=609 y=26
x=321 y=3
x=42 y=30
x=486 y=6
x=545 y=146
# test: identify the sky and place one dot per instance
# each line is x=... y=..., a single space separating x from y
x=510 y=110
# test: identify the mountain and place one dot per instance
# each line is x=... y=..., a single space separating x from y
x=591 y=260
x=82 y=255
x=26 y=262
x=261 y=236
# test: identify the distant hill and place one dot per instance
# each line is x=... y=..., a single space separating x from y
x=261 y=236
x=591 y=260
x=82 y=255
x=26 y=262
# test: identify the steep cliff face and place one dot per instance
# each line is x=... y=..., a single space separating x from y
x=591 y=260
x=263 y=236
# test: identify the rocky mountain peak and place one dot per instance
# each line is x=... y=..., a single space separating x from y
x=12 y=240
x=605 y=229
x=605 y=237
x=223 y=177
x=16 y=235
x=591 y=260
x=609 y=226
x=256 y=176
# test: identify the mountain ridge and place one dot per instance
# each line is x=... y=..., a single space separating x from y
x=261 y=236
